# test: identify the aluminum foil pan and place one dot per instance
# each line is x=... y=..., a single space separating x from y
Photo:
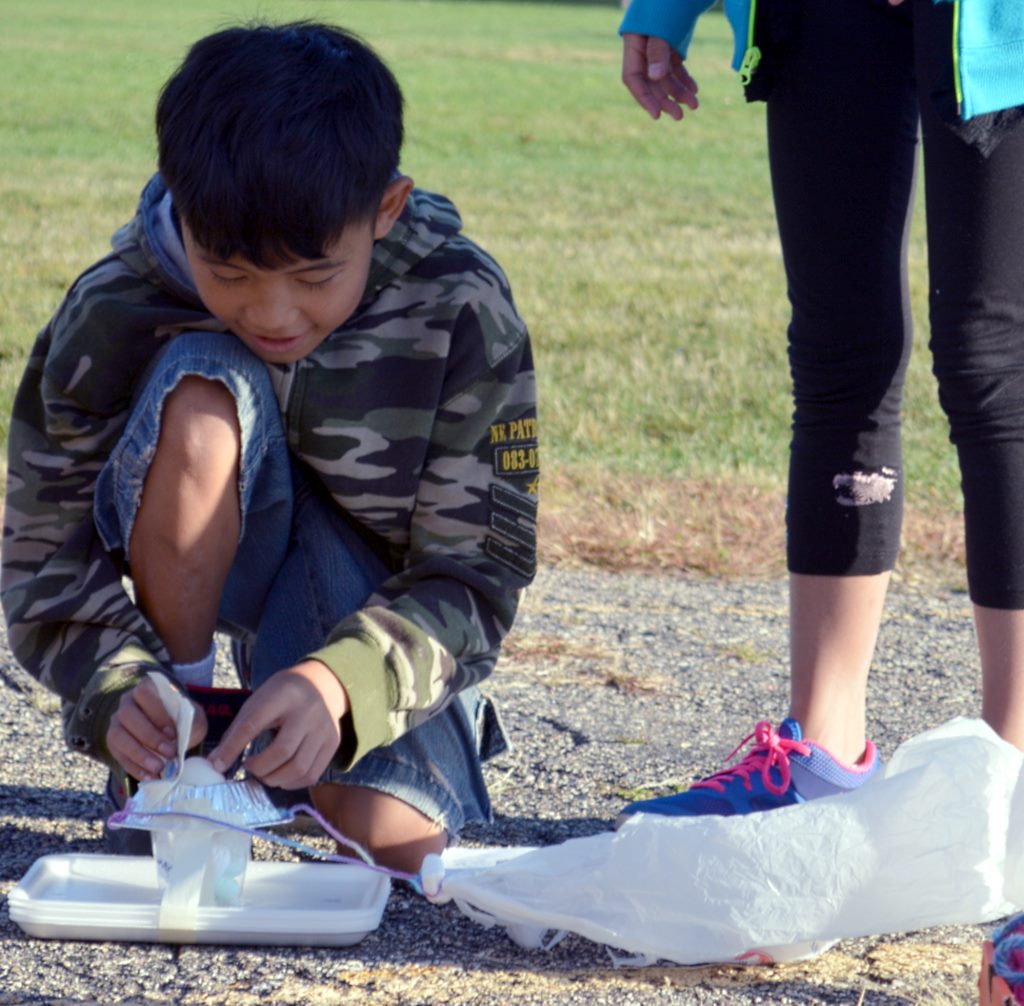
x=243 y=803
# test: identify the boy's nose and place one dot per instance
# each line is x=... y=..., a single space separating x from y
x=270 y=314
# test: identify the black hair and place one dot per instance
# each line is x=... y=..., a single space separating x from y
x=272 y=138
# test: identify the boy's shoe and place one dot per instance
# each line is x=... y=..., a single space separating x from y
x=123 y=841
x=781 y=769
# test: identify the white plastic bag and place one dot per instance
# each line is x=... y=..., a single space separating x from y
x=198 y=862
x=936 y=839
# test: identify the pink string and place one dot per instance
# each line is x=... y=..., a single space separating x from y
x=120 y=818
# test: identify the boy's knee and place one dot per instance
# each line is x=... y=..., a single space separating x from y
x=199 y=425
x=394 y=833
x=191 y=483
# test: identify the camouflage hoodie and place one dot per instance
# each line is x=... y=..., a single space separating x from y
x=418 y=415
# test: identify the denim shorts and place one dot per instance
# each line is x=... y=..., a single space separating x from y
x=300 y=569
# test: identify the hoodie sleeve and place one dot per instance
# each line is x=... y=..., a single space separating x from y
x=436 y=626
x=672 y=20
x=71 y=623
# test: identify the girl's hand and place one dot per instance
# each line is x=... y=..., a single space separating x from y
x=654 y=74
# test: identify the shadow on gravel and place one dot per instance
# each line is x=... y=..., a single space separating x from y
x=506 y=830
x=23 y=846
x=50 y=802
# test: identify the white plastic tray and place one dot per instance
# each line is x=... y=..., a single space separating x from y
x=88 y=897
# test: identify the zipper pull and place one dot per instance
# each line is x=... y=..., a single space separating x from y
x=751 y=59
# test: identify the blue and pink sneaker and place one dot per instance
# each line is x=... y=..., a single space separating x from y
x=781 y=769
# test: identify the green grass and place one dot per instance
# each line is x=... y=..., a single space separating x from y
x=643 y=255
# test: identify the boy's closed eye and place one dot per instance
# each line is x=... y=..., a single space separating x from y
x=227 y=280
x=313 y=283
x=309 y=283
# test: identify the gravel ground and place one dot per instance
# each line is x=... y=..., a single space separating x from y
x=612 y=686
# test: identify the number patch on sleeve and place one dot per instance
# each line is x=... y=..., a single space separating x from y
x=517 y=459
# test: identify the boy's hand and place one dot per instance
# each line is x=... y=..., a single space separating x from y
x=654 y=74
x=304 y=706
x=142 y=735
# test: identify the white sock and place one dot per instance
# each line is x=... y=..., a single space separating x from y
x=199 y=672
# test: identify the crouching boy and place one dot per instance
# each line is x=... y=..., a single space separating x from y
x=294 y=405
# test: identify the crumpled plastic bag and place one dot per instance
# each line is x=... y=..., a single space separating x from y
x=936 y=839
x=198 y=862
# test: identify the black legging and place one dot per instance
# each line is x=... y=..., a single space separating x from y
x=842 y=132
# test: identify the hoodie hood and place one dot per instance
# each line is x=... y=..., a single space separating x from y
x=150 y=243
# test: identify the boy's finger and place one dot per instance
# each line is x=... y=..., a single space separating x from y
x=302 y=769
x=200 y=725
x=251 y=721
x=278 y=754
x=147 y=698
x=136 y=724
x=135 y=758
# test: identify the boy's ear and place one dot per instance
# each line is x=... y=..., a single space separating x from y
x=392 y=205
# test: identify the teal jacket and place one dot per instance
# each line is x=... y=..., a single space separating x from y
x=988 y=43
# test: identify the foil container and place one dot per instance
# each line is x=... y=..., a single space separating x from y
x=244 y=803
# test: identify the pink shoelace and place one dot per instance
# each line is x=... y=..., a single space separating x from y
x=770 y=750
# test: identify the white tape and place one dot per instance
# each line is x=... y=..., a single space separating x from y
x=182 y=857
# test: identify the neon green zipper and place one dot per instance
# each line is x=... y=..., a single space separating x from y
x=957 y=83
x=753 y=55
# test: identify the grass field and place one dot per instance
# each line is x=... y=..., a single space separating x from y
x=643 y=255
